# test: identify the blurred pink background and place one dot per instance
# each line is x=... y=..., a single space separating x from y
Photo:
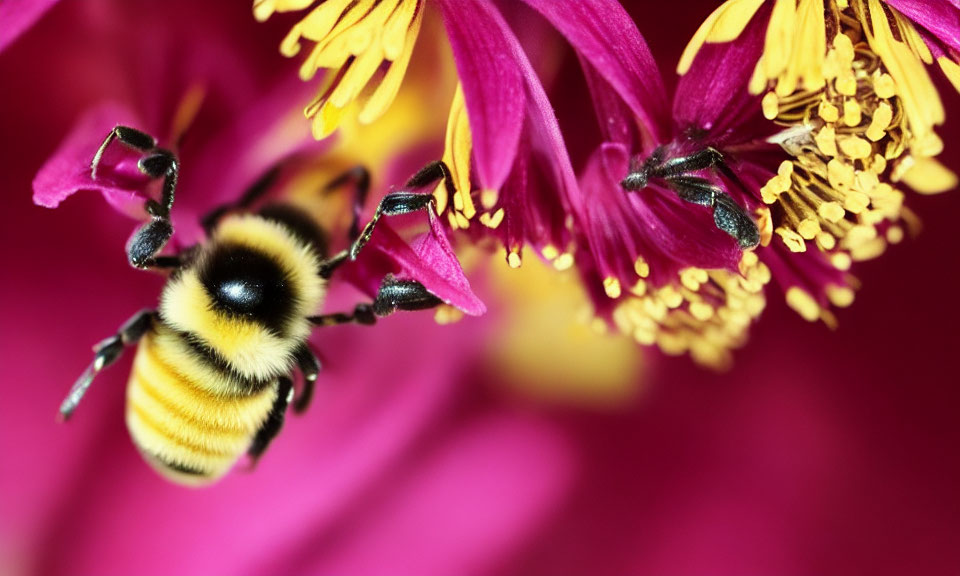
x=821 y=452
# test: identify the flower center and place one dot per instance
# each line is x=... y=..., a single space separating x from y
x=857 y=119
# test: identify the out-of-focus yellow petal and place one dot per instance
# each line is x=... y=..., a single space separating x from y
x=928 y=176
x=725 y=24
x=951 y=69
x=549 y=346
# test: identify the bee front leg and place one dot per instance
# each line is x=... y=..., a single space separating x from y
x=107 y=352
x=394 y=204
x=150 y=238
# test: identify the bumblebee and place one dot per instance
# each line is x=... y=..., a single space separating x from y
x=675 y=173
x=212 y=377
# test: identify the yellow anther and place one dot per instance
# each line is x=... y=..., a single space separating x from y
x=513 y=259
x=895 y=235
x=612 y=287
x=489 y=198
x=701 y=311
x=840 y=175
x=885 y=87
x=670 y=296
x=826 y=140
x=831 y=211
x=826 y=241
x=494 y=220
x=791 y=239
x=809 y=228
x=851 y=113
x=841 y=260
x=846 y=84
x=828 y=112
x=641 y=267
x=840 y=296
x=855 y=147
x=803 y=303
x=770 y=106
x=882 y=117
x=550 y=252
x=563 y=262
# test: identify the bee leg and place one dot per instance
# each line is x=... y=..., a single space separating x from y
x=359 y=176
x=106 y=353
x=158 y=163
x=269 y=430
x=402 y=295
x=734 y=220
x=727 y=214
x=392 y=296
x=700 y=160
x=394 y=204
x=310 y=368
x=695 y=190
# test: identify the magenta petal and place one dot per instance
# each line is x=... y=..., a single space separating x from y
x=16 y=16
x=604 y=35
x=939 y=17
x=492 y=84
x=428 y=259
x=68 y=170
x=713 y=95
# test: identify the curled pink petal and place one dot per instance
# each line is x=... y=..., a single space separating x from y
x=492 y=84
x=428 y=259
x=68 y=170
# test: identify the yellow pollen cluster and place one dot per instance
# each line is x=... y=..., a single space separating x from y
x=860 y=136
x=706 y=313
x=364 y=44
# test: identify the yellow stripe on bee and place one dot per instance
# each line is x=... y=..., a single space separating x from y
x=197 y=400
x=173 y=420
x=151 y=438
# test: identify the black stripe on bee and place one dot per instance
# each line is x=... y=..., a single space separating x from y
x=209 y=356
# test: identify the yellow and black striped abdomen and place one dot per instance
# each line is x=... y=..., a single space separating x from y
x=185 y=421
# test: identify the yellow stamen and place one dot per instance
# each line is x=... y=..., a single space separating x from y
x=705 y=313
x=803 y=303
x=456 y=155
x=352 y=40
x=612 y=287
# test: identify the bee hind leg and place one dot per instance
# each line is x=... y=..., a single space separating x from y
x=271 y=427
x=107 y=352
x=310 y=368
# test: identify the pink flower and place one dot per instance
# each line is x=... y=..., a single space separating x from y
x=820 y=452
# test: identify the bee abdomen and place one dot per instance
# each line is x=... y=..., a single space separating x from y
x=188 y=433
